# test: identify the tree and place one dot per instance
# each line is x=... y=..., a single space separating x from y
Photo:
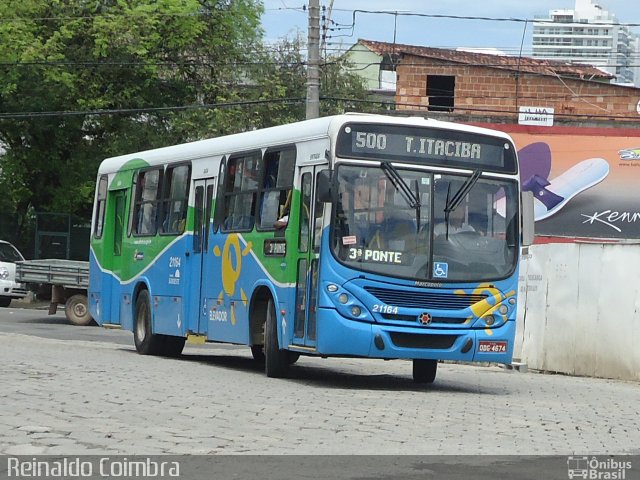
x=83 y=80
x=281 y=75
x=91 y=56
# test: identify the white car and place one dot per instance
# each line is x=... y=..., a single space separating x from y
x=9 y=289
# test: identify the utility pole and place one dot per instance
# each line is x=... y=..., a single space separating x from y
x=313 y=61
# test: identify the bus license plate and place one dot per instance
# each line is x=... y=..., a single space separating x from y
x=492 y=347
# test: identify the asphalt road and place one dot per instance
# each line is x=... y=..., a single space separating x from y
x=67 y=390
x=37 y=322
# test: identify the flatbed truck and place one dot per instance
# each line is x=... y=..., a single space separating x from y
x=69 y=281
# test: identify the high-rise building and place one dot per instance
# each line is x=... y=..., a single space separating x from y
x=589 y=34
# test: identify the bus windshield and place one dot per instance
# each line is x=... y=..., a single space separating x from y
x=405 y=225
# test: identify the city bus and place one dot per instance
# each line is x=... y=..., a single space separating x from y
x=353 y=235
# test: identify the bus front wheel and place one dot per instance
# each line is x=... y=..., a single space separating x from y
x=424 y=371
x=258 y=353
x=276 y=360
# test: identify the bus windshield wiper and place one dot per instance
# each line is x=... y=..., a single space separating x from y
x=411 y=197
x=452 y=203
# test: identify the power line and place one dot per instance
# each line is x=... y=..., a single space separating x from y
x=355 y=65
x=354 y=101
x=461 y=109
x=118 y=111
x=459 y=17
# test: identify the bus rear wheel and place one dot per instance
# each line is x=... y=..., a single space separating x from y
x=276 y=360
x=148 y=343
x=424 y=371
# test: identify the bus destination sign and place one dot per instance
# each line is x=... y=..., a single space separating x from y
x=421 y=145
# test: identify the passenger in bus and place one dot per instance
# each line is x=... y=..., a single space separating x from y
x=283 y=219
x=457 y=223
x=282 y=222
x=231 y=176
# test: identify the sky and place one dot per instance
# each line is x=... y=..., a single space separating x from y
x=285 y=18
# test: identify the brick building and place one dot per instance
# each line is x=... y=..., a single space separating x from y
x=496 y=86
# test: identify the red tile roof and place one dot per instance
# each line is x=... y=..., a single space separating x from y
x=505 y=62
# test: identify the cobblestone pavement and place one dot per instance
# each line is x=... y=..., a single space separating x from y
x=77 y=397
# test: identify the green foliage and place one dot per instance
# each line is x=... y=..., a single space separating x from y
x=170 y=71
x=78 y=56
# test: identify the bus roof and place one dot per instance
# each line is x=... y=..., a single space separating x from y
x=279 y=135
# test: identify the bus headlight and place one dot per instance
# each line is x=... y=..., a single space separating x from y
x=494 y=319
x=346 y=303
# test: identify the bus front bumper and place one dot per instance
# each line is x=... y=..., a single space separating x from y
x=339 y=336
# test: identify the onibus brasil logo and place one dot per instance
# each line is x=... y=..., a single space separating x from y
x=597 y=468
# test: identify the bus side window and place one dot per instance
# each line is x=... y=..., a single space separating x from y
x=240 y=192
x=174 y=201
x=100 y=207
x=146 y=202
x=219 y=213
x=275 y=195
x=305 y=211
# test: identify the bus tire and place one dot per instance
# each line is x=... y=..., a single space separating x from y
x=171 y=346
x=76 y=309
x=276 y=360
x=424 y=371
x=258 y=353
x=146 y=342
x=293 y=357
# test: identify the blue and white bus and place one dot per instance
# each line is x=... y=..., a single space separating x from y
x=352 y=235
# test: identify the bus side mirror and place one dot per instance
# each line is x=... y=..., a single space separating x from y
x=323 y=186
x=528 y=219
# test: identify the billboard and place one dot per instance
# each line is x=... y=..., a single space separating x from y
x=585 y=181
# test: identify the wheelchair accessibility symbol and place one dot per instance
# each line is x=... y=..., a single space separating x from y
x=440 y=270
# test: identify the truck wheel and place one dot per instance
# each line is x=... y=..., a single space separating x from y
x=5 y=301
x=76 y=310
x=276 y=360
x=424 y=371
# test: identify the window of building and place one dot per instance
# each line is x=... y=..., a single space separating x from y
x=440 y=90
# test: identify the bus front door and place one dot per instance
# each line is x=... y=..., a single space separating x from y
x=310 y=229
x=202 y=230
x=117 y=198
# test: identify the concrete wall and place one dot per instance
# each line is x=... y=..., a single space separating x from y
x=580 y=310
